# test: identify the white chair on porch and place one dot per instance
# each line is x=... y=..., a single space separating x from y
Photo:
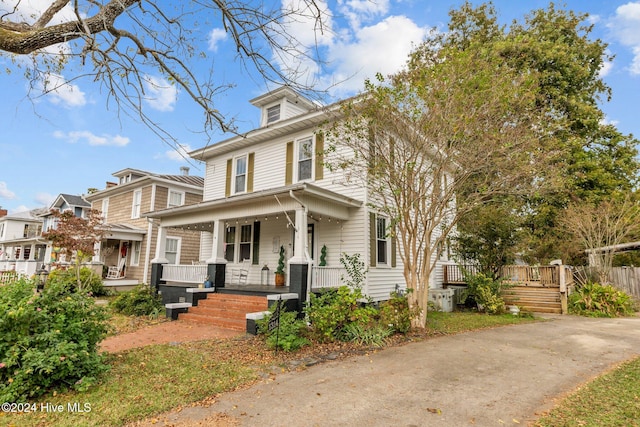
x=239 y=275
x=116 y=272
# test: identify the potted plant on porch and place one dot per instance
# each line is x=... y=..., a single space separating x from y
x=279 y=274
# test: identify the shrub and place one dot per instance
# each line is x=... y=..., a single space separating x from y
x=48 y=341
x=372 y=334
x=486 y=292
x=593 y=299
x=330 y=311
x=290 y=335
x=91 y=282
x=140 y=301
x=395 y=313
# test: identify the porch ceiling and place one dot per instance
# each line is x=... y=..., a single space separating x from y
x=124 y=232
x=318 y=201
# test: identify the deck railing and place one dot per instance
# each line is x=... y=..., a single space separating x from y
x=326 y=277
x=184 y=273
x=547 y=275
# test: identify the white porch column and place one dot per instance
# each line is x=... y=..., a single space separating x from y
x=217 y=251
x=161 y=246
x=96 y=252
x=300 y=251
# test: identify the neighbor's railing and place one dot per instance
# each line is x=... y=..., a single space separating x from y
x=326 y=277
x=184 y=273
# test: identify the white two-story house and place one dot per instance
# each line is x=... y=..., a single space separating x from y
x=272 y=187
x=22 y=248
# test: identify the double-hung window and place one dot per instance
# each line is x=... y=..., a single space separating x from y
x=176 y=198
x=245 y=243
x=230 y=244
x=305 y=159
x=240 y=175
x=137 y=202
x=135 y=253
x=382 y=241
x=105 y=209
x=172 y=250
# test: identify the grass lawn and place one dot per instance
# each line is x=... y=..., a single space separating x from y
x=151 y=380
x=612 y=399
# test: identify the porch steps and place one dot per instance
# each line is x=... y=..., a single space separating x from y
x=225 y=310
x=536 y=299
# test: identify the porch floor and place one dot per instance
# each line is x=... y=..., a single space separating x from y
x=252 y=289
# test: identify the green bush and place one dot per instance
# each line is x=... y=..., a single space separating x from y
x=486 y=292
x=91 y=282
x=48 y=341
x=290 y=335
x=593 y=299
x=374 y=335
x=395 y=313
x=140 y=301
x=330 y=311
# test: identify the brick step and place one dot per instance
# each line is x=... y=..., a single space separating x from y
x=220 y=312
x=225 y=310
x=233 y=324
x=229 y=298
x=235 y=305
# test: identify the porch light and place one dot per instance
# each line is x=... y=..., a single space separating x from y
x=42 y=277
x=264 y=275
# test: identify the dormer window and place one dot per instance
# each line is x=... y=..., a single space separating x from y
x=273 y=114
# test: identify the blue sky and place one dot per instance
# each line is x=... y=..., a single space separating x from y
x=74 y=138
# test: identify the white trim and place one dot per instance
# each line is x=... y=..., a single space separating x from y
x=136 y=206
x=135 y=262
x=386 y=239
x=105 y=209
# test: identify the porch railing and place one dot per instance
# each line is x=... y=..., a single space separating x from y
x=184 y=273
x=326 y=277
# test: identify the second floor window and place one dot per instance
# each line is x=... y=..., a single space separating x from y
x=240 y=175
x=176 y=198
x=137 y=201
x=305 y=159
x=105 y=209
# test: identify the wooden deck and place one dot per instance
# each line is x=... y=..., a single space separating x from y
x=538 y=289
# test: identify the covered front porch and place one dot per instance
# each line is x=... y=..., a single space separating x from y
x=243 y=237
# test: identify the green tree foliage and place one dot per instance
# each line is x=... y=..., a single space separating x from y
x=48 y=341
x=598 y=162
x=489 y=236
x=595 y=300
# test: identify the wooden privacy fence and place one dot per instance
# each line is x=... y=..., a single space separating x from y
x=627 y=279
x=533 y=288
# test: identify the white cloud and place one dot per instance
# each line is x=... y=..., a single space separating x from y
x=60 y=91
x=44 y=199
x=5 y=193
x=92 y=139
x=18 y=209
x=606 y=68
x=356 y=47
x=359 y=11
x=624 y=26
x=215 y=36
x=383 y=47
x=180 y=153
x=160 y=94
x=30 y=10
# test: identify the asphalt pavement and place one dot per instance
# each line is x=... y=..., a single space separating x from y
x=494 y=377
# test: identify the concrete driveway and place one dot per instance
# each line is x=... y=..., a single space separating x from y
x=495 y=377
